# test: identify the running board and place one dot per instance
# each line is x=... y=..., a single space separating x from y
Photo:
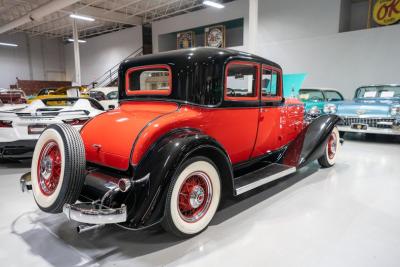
x=261 y=176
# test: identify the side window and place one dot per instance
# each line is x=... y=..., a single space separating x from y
x=270 y=83
x=241 y=81
x=148 y=80
x=333 y=96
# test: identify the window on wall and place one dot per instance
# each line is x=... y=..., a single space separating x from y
x=270 y=83
x=241 y=80
x=152 y=80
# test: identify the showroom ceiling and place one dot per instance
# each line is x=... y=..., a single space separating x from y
x=109 y=15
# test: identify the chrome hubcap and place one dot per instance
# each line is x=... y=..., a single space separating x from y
x=46 y=166
x=196 y=196
x=49 y=168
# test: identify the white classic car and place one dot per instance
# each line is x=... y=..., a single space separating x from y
x=107 y=96
x=10 y=107
x=20 y=128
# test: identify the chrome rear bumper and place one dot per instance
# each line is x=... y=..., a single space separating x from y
x=94 y=213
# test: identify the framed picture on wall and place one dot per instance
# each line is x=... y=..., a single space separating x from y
x=185 y=39
x=214 y=36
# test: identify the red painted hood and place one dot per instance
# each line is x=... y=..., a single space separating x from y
x=109 y=137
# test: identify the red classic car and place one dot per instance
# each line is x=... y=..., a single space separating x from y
x=193 y=126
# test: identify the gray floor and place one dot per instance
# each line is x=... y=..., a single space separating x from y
x=348 y=215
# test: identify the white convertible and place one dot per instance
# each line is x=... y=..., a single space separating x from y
x=20 y=128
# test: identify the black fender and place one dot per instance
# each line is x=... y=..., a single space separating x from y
x=310 y=144
x=146 y=202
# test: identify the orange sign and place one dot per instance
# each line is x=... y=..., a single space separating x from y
x=386 y=12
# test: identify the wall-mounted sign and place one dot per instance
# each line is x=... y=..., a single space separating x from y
x=215 y=36
x=386 y=12
x=185 y=39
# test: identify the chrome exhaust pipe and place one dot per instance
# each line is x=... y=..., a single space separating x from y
x=87 y=227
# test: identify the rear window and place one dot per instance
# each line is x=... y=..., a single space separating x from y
x=60 y=101
x=148 y=80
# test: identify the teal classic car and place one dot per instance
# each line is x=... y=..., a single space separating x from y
x=375 y=109
x=315 y=99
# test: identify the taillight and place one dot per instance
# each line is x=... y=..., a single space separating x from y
x=5 y=124
x=76 y=122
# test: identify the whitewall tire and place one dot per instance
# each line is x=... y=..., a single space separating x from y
x=193 y=197
x=58 y=167
x=332 y=148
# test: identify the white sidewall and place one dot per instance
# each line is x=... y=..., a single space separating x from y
x=338 y=147
x=193 y=228
x=41 y=199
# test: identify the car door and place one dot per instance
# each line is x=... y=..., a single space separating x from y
x=270 y=134
x=234 y=124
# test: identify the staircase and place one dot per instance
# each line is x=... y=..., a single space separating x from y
x=110 y=77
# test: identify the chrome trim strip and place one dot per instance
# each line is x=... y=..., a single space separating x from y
x=265 y=180
x=373 y=130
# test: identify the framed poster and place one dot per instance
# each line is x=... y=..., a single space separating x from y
x=185 y=39
x=214 y=36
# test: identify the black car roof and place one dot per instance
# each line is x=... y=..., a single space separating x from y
x=191 y=55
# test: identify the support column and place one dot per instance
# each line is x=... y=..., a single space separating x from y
x=253 y=25
x=29 y=54
x=147 y=39
x=76 y=53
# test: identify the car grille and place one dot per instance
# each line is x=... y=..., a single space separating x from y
x=371 y=122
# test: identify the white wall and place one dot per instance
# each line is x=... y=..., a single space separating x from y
x=232 y=10
x=288 y=19
x=101 y=53
x=35 y=58
x=343 y=61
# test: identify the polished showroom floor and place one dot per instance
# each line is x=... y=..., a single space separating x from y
x=348 y=215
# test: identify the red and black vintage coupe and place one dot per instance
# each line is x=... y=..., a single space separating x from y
x=193 y=125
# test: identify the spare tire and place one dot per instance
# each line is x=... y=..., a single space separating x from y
x=58 y=167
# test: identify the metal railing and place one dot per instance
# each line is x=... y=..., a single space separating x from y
x=110 y=77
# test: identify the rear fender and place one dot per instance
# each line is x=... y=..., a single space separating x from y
x=147 y=202
x=310 y=143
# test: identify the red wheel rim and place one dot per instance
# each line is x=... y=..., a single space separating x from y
x=49 y=168
x=332 y=146
x=194 y=197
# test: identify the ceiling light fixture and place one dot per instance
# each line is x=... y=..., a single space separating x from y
x=8 y=44
x=79 y=41
x=213 y=4
x=75 y=16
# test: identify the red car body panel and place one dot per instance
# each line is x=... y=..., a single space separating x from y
x=125 y=123
x=236 y=138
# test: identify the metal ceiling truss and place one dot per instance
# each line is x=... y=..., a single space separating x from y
x=109 y=15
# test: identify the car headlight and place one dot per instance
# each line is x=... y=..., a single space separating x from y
x=330 y=108
x=314 y=110
x=395 y=110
